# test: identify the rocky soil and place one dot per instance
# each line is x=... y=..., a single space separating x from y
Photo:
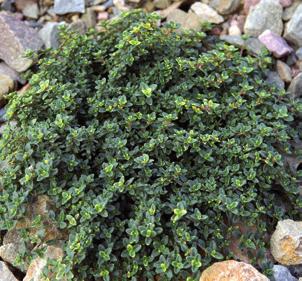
x=274 y=25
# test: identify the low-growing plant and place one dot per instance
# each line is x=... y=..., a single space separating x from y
x=153 y=144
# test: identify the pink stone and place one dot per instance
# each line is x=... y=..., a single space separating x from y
x=275 y=43
x=248 y=4
x=285 y=3
x=103 y=16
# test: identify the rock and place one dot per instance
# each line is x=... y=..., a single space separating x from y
x=225 y=7
x=78 y=26
x=232 y=270
x=35 y=269
x=295 y=87
x=162 y=4
x=281 y=273
x=186 y=20
x=234 y=28
x=103 y=16
x=275 y=44
x=89 y=17
x=7 y=5
x=233 y=39
x=289 y=11
x=14 y=32
x=62 y=7
x=6 y=85
x=9 y=252
x=291 y=59
x=206 y=13
x=285 y=3
x=5 y=273
x=274 y=79
x=247 y=4
x=267 y=14
x=286 y=241
x=284 y=71
x=293 y=31
x=49 y=34
x=164 y=13
x=254 y=46
x=299 y=53
x=29 y=8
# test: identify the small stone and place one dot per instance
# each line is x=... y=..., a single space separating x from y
x=225 y=7
x=186 y=20
x=284 y=71
x=162 y=4
x=6 y=85
x=103 y=16
x=299 y=53
x=5 y=273
x=285 y=3
x=206 y=13
x=247 y=4
x=293 y=31
x=234 y=28
x=254 y=46
x=9 y=252
x=232 y=270
x=289 y=11
x=267 y=14
x=295 y=90
x=35 y=269
x=274 y=79
x=29 y=8
x=281 y=273
x=89 y=17
x=49 y=34
x=78 y=26
x=14 y=32
x=275 y=44
x=233 y=39
x=286 y=241
x=62 y=7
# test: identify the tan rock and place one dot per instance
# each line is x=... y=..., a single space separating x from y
x=36 y=268
x=286 y=242
x=232 y=271
x=284 y=71
x=206 y=13
x=5 y=273
x=6 y=85
x=186 y=20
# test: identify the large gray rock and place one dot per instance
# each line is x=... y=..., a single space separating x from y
x=267 y=14
x=293 y=31
x=5 y=273
x=69 y=6
x=225 y=7
x=281 y=273
x=16 y=37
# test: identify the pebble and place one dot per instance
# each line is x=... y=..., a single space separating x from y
x=186 y=20
x=29 y=8
x=284 y=71
x=274 y=79
x=225 y=7
x=286 y=241
x=295 y=90
x=62 y=7
x=162 y=4
x=267 y=14
x=5 y=273
x=233 y=39
x=234 y=28
x=293 y=31
x=275 y=44
x=299 y=53
x=14 y=32
x=254 y=46
x=281 y=273
x=247 y=4
x=232 y=270
x=206 y=13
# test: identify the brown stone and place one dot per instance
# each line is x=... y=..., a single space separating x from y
x=284 y=71
x=286 y=242
x=232 y=271
x=5 y=273
x=16 y=37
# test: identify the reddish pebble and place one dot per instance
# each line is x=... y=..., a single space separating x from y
x=103 y=16
x=285 y=3
x=275 y=44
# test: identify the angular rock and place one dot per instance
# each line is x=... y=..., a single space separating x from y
x=274 y=79
x=89 y=17
x=275 y=44
x=284 y=71
x=293 y=30
x=267 y=14
x=232 y=270
x=49 y=34
x=254 y=46
x=16 y=37
x=29 y=8
x=79 y=27
x=186 y=20
x=286 y=242
x=206 y=13
x=281 y=273
x=35 y=269
x=295 y=87
x=5 y=273
x=225 y=7
x=6 y=85
x=62 y=7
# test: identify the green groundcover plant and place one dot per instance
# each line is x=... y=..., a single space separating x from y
x=153 y=144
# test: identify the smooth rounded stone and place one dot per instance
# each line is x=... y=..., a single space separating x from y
x=254 y=46
x=206 y=13
x=281 y=273
x=62 y=7
x=232 y=270
x=284 y=71
x=233 y=39
x=5 y=273
x=274 y=79
x=225 y=7
x=267 y=14
x=289 y=11
x=275 y=44
x=293 y=30
x=299 y=53
x=16 y=37
x=295 y=88
x=286 y=242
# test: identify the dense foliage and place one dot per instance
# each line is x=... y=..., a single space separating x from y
x=153 y=145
